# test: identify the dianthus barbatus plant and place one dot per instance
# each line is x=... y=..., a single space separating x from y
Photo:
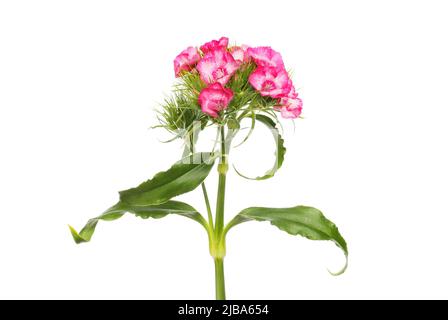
x=220 y=85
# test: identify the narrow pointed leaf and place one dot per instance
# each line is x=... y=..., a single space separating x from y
x=280 y=149
x=304 y=221
x=251 y=129
x=145 y=212
x=183 y=177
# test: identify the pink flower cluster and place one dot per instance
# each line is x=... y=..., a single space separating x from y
x=272 y=80
x=217 y=63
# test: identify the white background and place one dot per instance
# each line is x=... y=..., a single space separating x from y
x=79 y=81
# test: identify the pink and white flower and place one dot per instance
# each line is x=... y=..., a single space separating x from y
x=222 y=43
x=290 y=108
x=266 y=57
x=272 y=82
x=186 y=60
x=215 y=98
x=240 y=53
x=217 y=66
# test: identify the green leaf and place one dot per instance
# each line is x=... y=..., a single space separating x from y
x=145 y=212
x=304 y=221
x=251 y=129
x=183 y=177
x=151 y=198
x=279 y=151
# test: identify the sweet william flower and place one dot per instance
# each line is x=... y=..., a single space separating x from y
x=186 y=60
x=217 y=66
x=266 y=57
x=215 y=98
x=272 y=82
x=222 y=43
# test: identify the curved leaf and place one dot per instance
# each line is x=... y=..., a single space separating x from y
x=251 y=129
x=279 y=151
x=304 y=221
x=145 y=212
x=185 y=176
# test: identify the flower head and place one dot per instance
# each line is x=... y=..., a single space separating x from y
x=266 y=57
x=272 y=82
x=222 y=43
x=186 y=60
x=217 y=66
x=215 y=98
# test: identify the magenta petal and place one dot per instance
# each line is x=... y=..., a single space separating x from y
x=240 y=54
x=206 y=68
x=237 y=54
x=290 y=114
x=266 y=57
x=222 y=43
x=257 y=78
x=291 y=108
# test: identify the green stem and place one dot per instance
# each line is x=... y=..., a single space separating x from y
x=216 y=234
x=219 y=246
x=207 y=204
x=219 y=279
x=222 y=170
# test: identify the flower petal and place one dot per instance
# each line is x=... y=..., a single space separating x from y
x=266 y=57
x=291 y=108
x=222 y=43
x=186 y=60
